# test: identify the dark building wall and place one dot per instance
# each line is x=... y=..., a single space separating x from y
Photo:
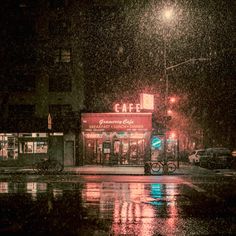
x=41 y=65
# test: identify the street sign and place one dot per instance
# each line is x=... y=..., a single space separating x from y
x=49 y=121
x=156 y=142
x=147 y=101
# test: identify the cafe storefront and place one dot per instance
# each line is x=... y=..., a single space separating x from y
x=27 y=148
x=116 y=138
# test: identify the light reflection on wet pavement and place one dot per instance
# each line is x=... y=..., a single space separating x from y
x=109 y=208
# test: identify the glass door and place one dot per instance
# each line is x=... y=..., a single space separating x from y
x=90 y=151
x=116 y=152
x=124 y=157
x=133 y=152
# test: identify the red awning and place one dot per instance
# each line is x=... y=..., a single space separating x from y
x=109 y=122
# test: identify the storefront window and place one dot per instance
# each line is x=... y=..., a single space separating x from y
x=8 y=147
x=127 y=134
x=133 y=148
x=13 y=144
x=41 y=147
x=3 y=150
x=117 y=147
x=124 y=155
x=28 y=147
x=33 y=147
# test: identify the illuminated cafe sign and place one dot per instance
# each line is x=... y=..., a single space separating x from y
x=111 y=122
x=123 y=108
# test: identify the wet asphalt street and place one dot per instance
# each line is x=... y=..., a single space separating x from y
x=118 y=205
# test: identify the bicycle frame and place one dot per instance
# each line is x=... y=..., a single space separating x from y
x=167 y=167
x=48 y=165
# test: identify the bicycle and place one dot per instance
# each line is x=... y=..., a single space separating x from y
x=48 y=165
x=157 y=166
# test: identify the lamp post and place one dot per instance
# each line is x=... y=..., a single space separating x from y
x=167 y=17
x=168 y=14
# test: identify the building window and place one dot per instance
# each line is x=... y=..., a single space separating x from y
x=62 y=55
x=22 y=83
x=33 y=146
x=60 y=110
x=60 y=83
x=21 y=110
x=8 y=146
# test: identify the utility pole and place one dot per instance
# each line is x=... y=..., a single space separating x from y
x=191 y=60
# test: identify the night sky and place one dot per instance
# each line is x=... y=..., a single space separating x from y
x=124 y=42
x=124 y=55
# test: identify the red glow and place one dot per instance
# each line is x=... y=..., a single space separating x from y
x=172 y=134
x=172 y=99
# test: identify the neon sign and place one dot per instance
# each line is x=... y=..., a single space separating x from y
x=112 y=122
x=130 y=107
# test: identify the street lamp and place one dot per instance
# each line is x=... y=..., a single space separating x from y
x=168 y=15
x=191 y=60
x=187 y=61
x=172 y=100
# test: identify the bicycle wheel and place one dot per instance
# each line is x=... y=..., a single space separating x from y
x=36 y=167
x=59 y=167
x=56 y=166
x=171 y=167
x=156 y=166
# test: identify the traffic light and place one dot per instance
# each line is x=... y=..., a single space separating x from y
x=172 y=100
x=172 y=135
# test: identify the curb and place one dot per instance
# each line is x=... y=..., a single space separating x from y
x=29 y=172
x=95 y=171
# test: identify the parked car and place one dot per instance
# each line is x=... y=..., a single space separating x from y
x=217 y=158
x=194 y=157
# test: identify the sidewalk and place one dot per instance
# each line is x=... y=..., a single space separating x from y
x=184 y=169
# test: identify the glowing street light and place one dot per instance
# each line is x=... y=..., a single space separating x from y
x=172 y=100
x=168 y=14
x=167 y=17
x=173 y=135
